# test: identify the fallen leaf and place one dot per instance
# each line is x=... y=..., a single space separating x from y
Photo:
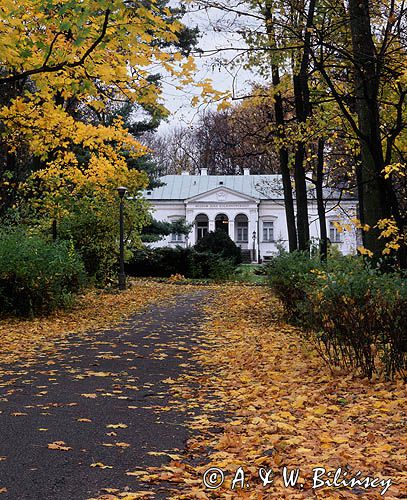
x=59 y=445
x=100 y=465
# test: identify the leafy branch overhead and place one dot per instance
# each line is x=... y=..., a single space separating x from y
x=81 y=81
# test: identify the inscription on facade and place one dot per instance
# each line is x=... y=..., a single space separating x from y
x=218 y=205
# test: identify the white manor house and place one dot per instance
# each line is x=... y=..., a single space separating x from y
x=250 y=208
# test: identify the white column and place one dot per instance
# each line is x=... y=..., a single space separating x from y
x=192 y=235
x=190 y=219
x=211 y=226
x=232 y=230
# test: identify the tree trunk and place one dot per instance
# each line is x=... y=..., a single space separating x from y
x=319 y=187
x=374 y=192
x=288 y=200
x=301 y=197
x=284 y=165
x=283 y=151
x=303 y=111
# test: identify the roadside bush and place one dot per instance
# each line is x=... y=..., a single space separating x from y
x=159 y=262
x=165 y=262
x=37 y=277
x=209 y=265
x=290 y=277
x=219 y=243
x=356 y=314
x=93 y=228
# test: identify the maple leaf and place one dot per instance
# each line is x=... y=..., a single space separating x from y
x=59 y=445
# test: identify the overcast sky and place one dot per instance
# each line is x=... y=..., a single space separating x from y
x=209 y=66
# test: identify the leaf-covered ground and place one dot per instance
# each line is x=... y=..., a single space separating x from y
x=267 y=401
x=22 y=339
x=199 y=377
x=76 y=419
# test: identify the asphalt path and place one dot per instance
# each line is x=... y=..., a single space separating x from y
x=99 y=400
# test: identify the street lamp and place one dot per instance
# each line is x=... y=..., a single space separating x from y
x=254 y=245
x=122 y=277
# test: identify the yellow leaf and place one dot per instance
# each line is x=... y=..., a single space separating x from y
x=59 y=445
x=116 y=426
x=100 y=465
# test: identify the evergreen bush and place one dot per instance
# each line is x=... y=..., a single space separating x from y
x=219 y=243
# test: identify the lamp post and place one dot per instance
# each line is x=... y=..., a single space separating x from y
x=122 y=277
x=254 y=246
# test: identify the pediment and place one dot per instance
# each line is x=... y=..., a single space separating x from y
x=221 y=194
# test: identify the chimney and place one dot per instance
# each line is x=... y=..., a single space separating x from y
x=184 y=172
x=246 y=171
x=204 y=171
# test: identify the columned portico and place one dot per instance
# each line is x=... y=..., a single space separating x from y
x=228 y=210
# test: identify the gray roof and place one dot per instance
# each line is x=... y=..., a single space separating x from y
x=261 y=187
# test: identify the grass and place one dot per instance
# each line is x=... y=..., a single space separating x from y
x=246 y=273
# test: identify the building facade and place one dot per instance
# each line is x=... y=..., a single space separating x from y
x=250 y=208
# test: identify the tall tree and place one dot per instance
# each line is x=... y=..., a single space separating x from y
x=279 y=116
x=76 y=64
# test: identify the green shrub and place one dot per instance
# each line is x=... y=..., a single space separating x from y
x=164 y=262
x=209 y=265
x=357 y=314
x=92 y=225
x=221 y=269
x=290 y=278
x=219 y=243
x=36 y=277
x=159 y=262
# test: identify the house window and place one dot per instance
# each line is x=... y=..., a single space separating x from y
x=241 y=228
x=202 y=226
x=268 y=231
x=334 y=232
x=177 y=237
x=242 y=232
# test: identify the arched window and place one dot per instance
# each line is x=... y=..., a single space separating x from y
x=201 y=226
x=222 y=223
x=241 y=228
